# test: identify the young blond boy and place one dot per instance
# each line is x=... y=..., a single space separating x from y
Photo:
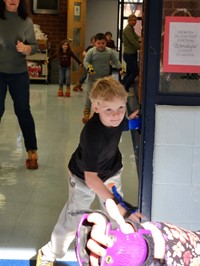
x=93 y=167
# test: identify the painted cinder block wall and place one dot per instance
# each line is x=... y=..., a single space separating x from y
x=176 y=166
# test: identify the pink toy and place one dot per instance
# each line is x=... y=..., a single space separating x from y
x=127 y=250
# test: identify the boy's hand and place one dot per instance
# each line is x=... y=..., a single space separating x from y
x=134 y=115
x=125 y=208
x=122 y=71
x=90 y=70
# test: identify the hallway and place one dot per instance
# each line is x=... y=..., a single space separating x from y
x=31 y=200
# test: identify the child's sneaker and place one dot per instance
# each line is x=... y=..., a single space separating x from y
x=31 y=162
x=77 y=87
x=67 y=93
x=41 y=262
x=60 y=93
x=86 y=115
x=85 y=118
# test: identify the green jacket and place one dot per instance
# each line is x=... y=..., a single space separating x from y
x=130 y=40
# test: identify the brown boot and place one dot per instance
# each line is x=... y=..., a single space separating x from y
x=60 y=92
x=86 y=115
x=31 y=162
x=67 y=93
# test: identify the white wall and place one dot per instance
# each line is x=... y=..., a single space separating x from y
x=101 y=16
x=176 y=174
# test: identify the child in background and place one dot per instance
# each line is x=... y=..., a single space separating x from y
x=65 y=54
x=97 y=62
x=95 y=165
x=109 y=42
x=78 y=85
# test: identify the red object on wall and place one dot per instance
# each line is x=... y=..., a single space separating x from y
x=181 y=45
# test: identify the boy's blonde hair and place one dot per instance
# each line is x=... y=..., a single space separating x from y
x=106 y=89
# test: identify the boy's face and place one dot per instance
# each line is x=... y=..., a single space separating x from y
x=93 y=42
x=100 y=45
x=111 y=113
x=108 y=37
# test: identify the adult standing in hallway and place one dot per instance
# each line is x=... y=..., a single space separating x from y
x=17 y=40
x=131 y=42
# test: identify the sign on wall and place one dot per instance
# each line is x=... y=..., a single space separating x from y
x=181 y=45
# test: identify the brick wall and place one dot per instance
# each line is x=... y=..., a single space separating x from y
x=54 y=26
x=193 y=6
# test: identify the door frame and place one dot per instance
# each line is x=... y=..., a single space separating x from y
x=76 y=19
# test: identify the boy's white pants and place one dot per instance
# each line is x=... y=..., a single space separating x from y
x=80 y=198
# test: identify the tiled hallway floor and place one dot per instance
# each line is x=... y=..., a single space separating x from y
x=31 y=200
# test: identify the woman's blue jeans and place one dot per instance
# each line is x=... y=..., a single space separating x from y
x=18 y=86
x=64 y=76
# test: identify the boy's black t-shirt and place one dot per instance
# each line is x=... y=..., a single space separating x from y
x=98 y=150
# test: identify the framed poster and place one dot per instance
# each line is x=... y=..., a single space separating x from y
x=181 y=45
x=77 y=11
